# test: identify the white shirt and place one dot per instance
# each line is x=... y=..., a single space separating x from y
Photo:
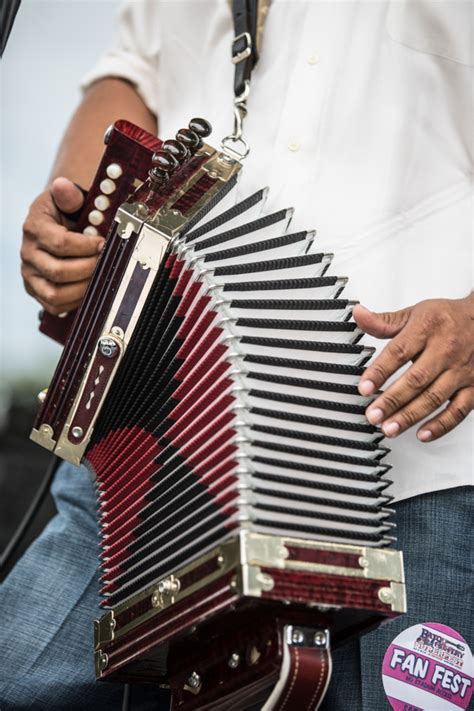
x=360 y=116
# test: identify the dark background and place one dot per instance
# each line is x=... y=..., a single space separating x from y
x=23 y=464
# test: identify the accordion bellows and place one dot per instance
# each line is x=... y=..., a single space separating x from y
x=236 y=405
x=210 y=384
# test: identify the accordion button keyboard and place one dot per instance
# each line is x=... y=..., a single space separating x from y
x=91 y=231
x=114 y=171
x=102 y=202
x=108 y=186
x=96 y=217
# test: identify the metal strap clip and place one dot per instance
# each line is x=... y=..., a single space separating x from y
x=239 y=52
x=235 y=144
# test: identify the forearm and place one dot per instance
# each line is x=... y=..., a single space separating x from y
x=48 y=236
x=82 y=146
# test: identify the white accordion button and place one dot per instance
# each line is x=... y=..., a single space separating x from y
x=91 y=231
x=102 y=202
x=107 y=186
x=96 y=217
x=114 y=171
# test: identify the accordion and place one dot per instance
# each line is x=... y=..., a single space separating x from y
x=209 y=382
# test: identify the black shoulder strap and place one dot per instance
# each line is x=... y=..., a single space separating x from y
x=249 y=19
x=249 y=16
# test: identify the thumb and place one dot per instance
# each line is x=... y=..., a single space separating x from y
x=381 y=325
x=67 y=197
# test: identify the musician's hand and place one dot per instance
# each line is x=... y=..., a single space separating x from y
x=438 y=336
x=56 y=261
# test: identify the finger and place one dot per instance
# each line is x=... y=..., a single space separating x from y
x=422 y=406
x=458 y=409
x=56 y=298
x=59 y=311
x=399 y=351
x=382 y=325
x=59 y=271
x=60 y=242
x=67 y=196
x=410 y=384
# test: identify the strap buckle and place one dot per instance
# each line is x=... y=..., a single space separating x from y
x=241 y=47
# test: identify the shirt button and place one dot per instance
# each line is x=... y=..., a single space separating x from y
x=313 y=58
x=294 y=146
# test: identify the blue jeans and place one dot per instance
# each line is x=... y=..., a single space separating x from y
x=47 y=606
x=49 y=600
x=435 y=533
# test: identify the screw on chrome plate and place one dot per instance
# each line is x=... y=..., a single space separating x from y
x=117 y=331
x=165 y=592
x=77 y=432
x=297 y=636
x=266 y=581
x=220 y=561
x=386 y=596
x=169 y=586
x=320 y=639
x=234 y=660
x=103 y=661
x=108 y=347
x=194 y=683
x=156 y=599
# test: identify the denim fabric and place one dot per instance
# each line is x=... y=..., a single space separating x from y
x=435 y=532
x=49 y=600
x=47 y=605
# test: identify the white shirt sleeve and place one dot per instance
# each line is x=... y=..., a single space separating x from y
x=134 y=55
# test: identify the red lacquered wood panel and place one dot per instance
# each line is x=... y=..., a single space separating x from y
x=341 y=590
x=325 y=557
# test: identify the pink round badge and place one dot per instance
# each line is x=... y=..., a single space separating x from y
x=428 y=667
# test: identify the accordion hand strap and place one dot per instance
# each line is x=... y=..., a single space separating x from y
x=249 y=19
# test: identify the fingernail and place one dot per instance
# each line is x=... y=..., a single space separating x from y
x=100 y=246
x=375 y=415
x=391 y=429
x=364 y=308
x=366 y=387
x=424 y=435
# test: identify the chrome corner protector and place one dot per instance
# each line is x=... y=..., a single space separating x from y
x=44 y=437
x=167 y=222
x=394 y=596
x=104 y=629
x=130 y=218
x=382 y=564
x=69 y=451
x=254 y=581
x=101 y=661
x=151 y=246
x=269 y=551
